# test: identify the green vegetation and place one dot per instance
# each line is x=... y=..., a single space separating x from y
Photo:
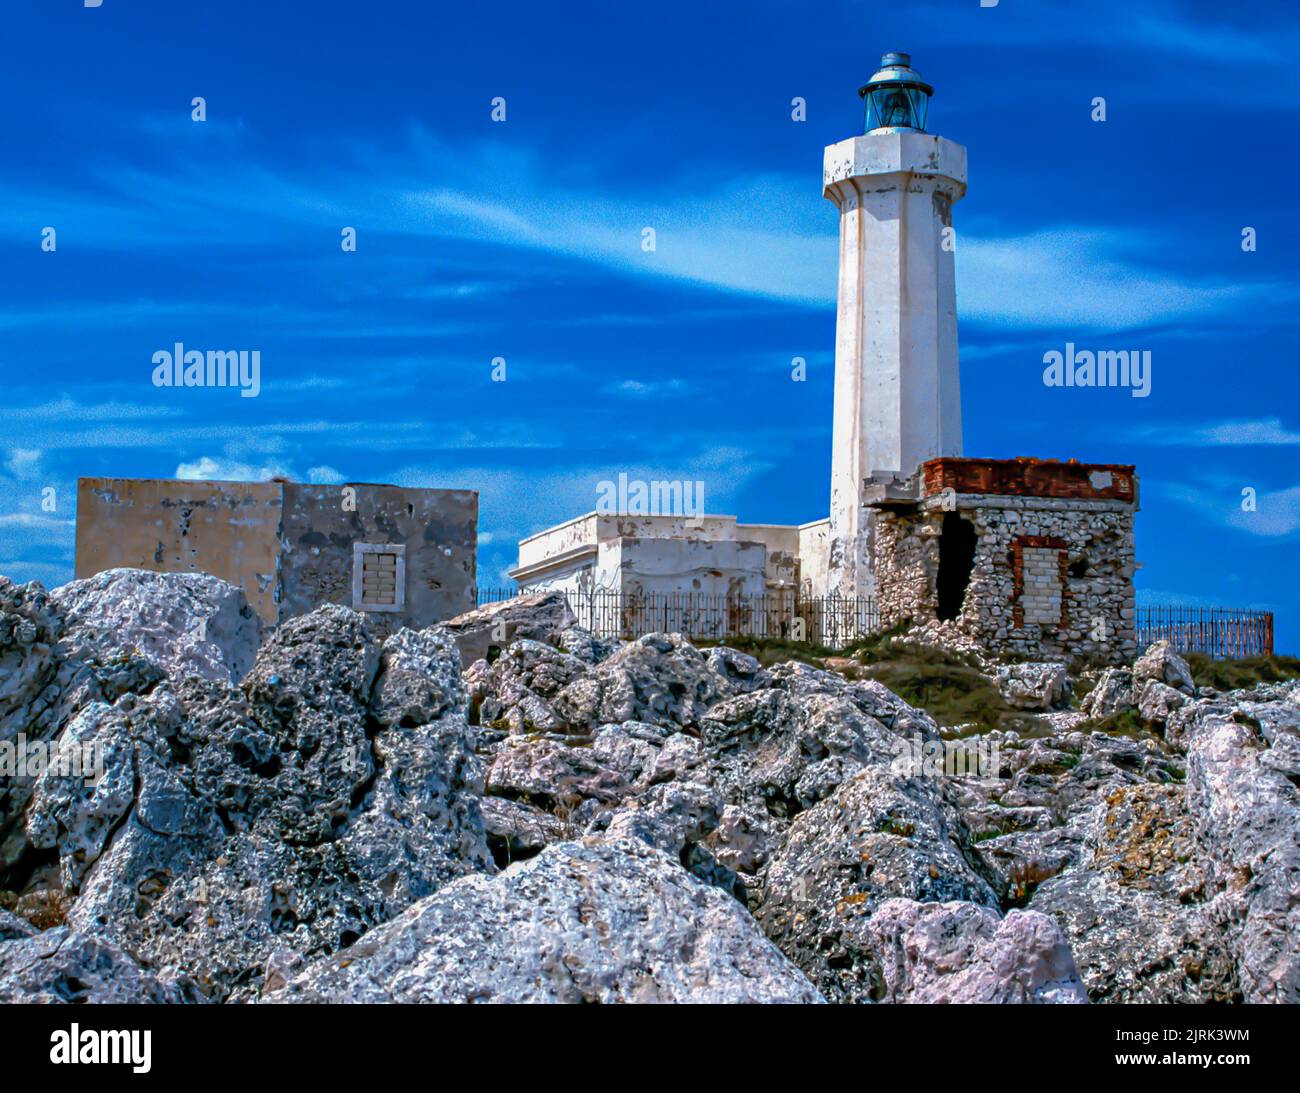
x=1231 y=675
x=948 y=685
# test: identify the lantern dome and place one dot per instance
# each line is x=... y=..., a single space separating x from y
x=896 y=97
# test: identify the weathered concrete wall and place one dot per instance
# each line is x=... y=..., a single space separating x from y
x=228 y=529
x=702 y=568
x=288 y=545
x=439 y=529
x=814 y=557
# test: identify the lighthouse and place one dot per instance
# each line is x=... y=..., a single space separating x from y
x=897 y=382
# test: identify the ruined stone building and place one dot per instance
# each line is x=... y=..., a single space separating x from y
x=404 y=556
x=1024 y=556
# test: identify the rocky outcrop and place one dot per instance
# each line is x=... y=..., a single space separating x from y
x=47 y=674
x=1160 y=664
x=189 y=624
x=541 y=616
x=1135 y=909
x=592 y=921
x=1034 y=685
x=1241 y=792
x=588 y=819
x=1110 y=696
x=62 y=966
x=332 y=789
x=964 y=953
x=879 y=836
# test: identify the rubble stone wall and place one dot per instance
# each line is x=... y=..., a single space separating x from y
x=1051 y=578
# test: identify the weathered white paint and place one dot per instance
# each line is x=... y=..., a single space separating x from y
x=897 y=385
x=622 y=553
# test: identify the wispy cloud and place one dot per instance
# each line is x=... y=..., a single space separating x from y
x=771 y=236
x=1263 y=432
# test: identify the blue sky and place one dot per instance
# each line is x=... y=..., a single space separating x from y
x=522 y=239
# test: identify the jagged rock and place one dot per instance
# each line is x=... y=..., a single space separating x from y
x=965 y=953
x=13 y=927
x=1112 y=694
x=189 y=624
x=1161 y=664
x=670 y=816
x=62 y=966
x=590 y=921
x=879 y=836
x=586 y=646
x=1247 y=814
x=1156 y=701
x=660 y=678
x=550 y=774
x=541 y=616
x=43 y=682
x=517 y=830
x=265 y=818
x=1134 y=910
x=516 y=691
x=419 y=679
x=1033 y=685
x=740 y=670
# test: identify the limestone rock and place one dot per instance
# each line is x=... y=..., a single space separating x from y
x=1135 y=910
x=1111 y=695
x=1161 y=664
x=1157 y=701
x=517 y=830
x=189 y=624
x=879 y=836
x=589 y=921
x=1033 y=685
x=659 y=678
x=517 y=690
x=47 y=675
x=236 y=822
x=541 y=616
x=550 y=774
x=62 y=966
x=1247 y=815
x=965 y=953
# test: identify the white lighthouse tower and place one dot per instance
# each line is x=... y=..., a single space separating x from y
x=897 y=383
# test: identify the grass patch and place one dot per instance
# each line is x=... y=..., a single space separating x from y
x=948 y=685
x=1243 y=672
x=770 y=651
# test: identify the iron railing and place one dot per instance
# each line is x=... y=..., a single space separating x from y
x=829 y=621
x=1219 y=631
x=834 y=622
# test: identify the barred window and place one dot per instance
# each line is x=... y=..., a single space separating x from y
x=378 y=576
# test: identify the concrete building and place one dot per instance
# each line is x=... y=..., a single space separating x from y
x=1020 y=556
x=708 y=555
x=406 y=557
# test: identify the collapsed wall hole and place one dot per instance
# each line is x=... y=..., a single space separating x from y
x=956 y=561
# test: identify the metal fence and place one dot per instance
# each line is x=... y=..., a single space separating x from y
x=834 y=622
x=829 y=621
x=1219 y=631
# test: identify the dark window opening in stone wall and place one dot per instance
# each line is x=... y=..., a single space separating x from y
x=956 y=561
x=1079 y=567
